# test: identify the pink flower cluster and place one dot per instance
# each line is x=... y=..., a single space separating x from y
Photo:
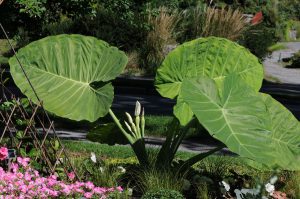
x=24 y=182
x=3 y=153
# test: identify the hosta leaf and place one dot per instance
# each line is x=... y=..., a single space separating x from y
x=238 y=116
x=207 y=57
x=285 y=134
x=70 y=74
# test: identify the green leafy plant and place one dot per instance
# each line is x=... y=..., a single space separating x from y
x=206 y=57
x=59 y=77
x=247 y=115
x=87 y=74
x=218 y=93
x=209 y=75
x=34 y=8
x=295 y=61
x=258 y=39
x=163 y=194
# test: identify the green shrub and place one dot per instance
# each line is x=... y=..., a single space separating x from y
x=295 y=61
x=258 y=38
x=107 y=134
x=276 y=47
x=163 y=194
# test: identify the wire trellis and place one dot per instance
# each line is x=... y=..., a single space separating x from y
x=38 y=125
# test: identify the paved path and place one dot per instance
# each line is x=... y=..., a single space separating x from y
x=274 y=68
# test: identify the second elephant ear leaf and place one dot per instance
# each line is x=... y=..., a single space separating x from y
x=210 y=57
x=285 y=134
x=70 y=73
x=236 y=117
x=248 y=123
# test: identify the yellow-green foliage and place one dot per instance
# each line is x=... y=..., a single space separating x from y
x=117 y=161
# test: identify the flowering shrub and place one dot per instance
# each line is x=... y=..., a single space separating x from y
x=24 y=182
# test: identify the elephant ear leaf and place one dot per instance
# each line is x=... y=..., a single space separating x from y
x=237 y=116
x=207 y=57
x=70 y=74
x=285 y=134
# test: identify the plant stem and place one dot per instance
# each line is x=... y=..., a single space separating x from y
x=137 y=142
x=190 y=162
x=129 y=138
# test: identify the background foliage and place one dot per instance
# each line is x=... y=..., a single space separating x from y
x=126 y=24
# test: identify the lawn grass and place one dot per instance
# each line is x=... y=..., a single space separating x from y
x=277 y=46
x=85 y=148
x=157 y=125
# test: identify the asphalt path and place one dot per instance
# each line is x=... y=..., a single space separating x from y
x=274 y=66
x=130 y=90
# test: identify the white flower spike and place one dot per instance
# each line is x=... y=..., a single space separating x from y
x=137 y=110
x=93 y=157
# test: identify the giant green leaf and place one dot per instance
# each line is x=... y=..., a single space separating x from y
x=234 y=114
x=207 y=57
x=285 y=134
x=70 y=73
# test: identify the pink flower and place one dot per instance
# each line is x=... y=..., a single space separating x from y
x=88 y=195
x=36 y=173
x=71 y=175
x=14 y=167
x=119 y=188
x=23 y=188
x=53 y=177
x=20 y=175
x=89 y=185
x=23 y=161
x=3 y=153
x=27 y=183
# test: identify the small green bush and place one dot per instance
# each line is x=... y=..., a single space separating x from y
x=295 y=61
x=107 y=134
x=163 y=194
x=258 y=38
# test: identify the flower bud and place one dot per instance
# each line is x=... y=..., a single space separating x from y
x=137 y=111
x=127 y=125
x=129 y=117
